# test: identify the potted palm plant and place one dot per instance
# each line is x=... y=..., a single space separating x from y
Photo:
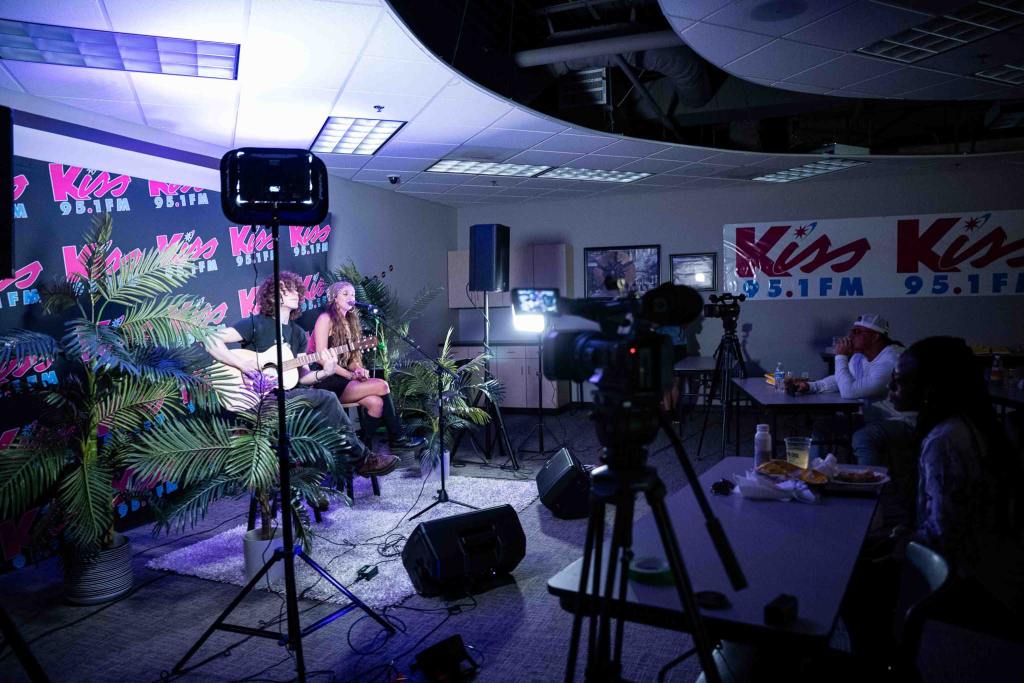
x=124 y=357
x=234 y=455
x=415 y=385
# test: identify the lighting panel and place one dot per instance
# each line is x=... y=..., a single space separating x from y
x=566 y=173
x=347 y=135
x=486 y=168
x=809 y=170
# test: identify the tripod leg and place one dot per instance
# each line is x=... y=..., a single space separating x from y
x=705 y=648
x=595 y=588
x=716 y=377
x=626 y=559
x=503 y=436
x=601 y=655
x=596 y=512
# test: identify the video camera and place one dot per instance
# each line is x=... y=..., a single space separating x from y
x=636 y=364
x=724 y=305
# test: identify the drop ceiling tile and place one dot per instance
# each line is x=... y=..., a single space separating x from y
x=681 y=153
x=393 y=106
x=507 y=139
x=565 y=142
x=663 y=181
x=633 y=148
x=414 y=150
x=416 y=186
x=495 y=181
x=773 y=18
x=343 y=160
x=344 y=173
x=56 y=80
x=692 y=9
x=901 y=81
x=678 y=23
x=959 y=89
x=550 y=184
x=599 y=162
x=445 y=134
x=481 y=190
x=702 y=170
x=935 y=7
x=566 y=194
x=987 y=53
x=222 y=21
x=287 y=117
x=214 y=93
x=125 y=111
x=398 y=164
x=721 y=45
x=374 y=176
x=734 y=158
x=799 y=87
x=480 y=112
x=542 y=158
x=839 y=73
x=379 y=74
x=650 y=165
x=857 y=25
x=391 y=40
x=479 y=153
x=448 y=179
x=713 y=183
x=780 y=59
x=216 y=126
x=522 y=119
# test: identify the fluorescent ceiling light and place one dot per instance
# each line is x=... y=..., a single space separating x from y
x=1007 y=73
x=809 y=170
x=566 y=173
x=486 y=168
x=25 y=41
x=345 y=135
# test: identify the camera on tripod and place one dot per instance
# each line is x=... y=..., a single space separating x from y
x=724 y=306
x=637 y=363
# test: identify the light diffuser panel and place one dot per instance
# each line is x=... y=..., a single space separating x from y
x=809 y=170
x=347 y=135
x=566 y=173
x=486 y=168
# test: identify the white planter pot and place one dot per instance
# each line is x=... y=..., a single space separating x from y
x=431 y=468
x=258 y=552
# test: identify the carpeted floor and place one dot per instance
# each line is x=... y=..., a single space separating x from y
x=517 y=632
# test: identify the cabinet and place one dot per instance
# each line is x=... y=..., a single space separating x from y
x=533 y=265
x=517 y=368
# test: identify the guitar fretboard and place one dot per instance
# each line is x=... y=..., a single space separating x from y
x=306 y=358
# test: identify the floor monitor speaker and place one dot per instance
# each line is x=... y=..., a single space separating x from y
x=470 y=548
x=564 y=485
x=488 y=258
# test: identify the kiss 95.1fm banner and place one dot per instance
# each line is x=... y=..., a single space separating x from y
x=960 y=254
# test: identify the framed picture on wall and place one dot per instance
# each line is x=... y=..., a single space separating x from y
x=628 y=269
x=695 y=270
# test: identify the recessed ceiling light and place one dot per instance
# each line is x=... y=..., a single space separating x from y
x=485 y=168
x=566 y=173
x=347 y=135
x=25 y=41
x=809 y=170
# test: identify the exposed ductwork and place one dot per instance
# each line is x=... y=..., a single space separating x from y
x=661 y=51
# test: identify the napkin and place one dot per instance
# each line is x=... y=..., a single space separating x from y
x=751 y=485
x=828 y=466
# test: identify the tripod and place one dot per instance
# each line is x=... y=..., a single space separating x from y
x=289 y=551
x=501 y=436
x=439 y=371
x=540 y=427
x=727 y=356
x=625 y=429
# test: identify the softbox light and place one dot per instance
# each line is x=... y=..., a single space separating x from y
x=259 y=186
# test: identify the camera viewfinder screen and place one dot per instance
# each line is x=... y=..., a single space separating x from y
x=534 y=300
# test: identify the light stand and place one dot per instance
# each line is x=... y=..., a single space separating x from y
x=440 y=371
x=540 y=427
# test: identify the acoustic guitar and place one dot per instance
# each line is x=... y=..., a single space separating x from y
x=237 y=392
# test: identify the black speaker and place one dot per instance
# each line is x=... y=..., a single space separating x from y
x=7 y=264
x=564 y=485
x=470 y=548
x=259 y=185
x=488 y=258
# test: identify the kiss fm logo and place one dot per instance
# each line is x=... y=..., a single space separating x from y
x=23 y=293
x=250 y=246
x=20 y=185
x=173 y=196
x=200 y=252
x=314 y=298
x=84 y=191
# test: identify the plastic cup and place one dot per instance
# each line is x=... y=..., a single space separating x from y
x=798 y=451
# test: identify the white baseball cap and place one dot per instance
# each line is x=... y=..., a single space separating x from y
x=872 y=321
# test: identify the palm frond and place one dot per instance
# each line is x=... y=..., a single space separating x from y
x=27 y=470
x=18 y=345
x=86 y=495
x=59 y=295
x=132 y=403
x=98 y=346
x=420 y=303
x=185 y=452
x=97 y=246
x=190 y=505
x=165 y=321
x=154 y=272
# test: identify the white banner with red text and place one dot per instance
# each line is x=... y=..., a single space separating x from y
x=972 y=253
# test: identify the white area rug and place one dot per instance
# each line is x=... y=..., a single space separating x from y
x=350 y=538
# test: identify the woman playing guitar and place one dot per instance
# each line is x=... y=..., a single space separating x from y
x=338 y=324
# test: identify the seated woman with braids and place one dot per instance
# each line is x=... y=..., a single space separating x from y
x=339 y=323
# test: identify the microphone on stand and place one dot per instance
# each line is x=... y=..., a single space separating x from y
x=369 y=308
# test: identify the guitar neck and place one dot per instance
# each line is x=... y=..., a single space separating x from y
x=307 y=358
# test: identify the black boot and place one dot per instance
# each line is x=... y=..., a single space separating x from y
x=396 y=433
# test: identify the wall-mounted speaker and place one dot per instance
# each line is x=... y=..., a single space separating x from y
x=564 y=485
x=471 y=548
x=488 y=258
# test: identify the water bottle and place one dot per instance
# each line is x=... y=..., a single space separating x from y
x=780 y=377
x=995 y=375
x=762 y=445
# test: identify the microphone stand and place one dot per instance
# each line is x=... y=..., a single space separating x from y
x=440 y=371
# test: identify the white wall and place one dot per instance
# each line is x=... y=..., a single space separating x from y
x=791 y=331
x=377 y=228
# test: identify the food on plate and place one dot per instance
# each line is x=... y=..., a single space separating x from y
x=859 y=476
x=814 y=477
x=777 y=468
